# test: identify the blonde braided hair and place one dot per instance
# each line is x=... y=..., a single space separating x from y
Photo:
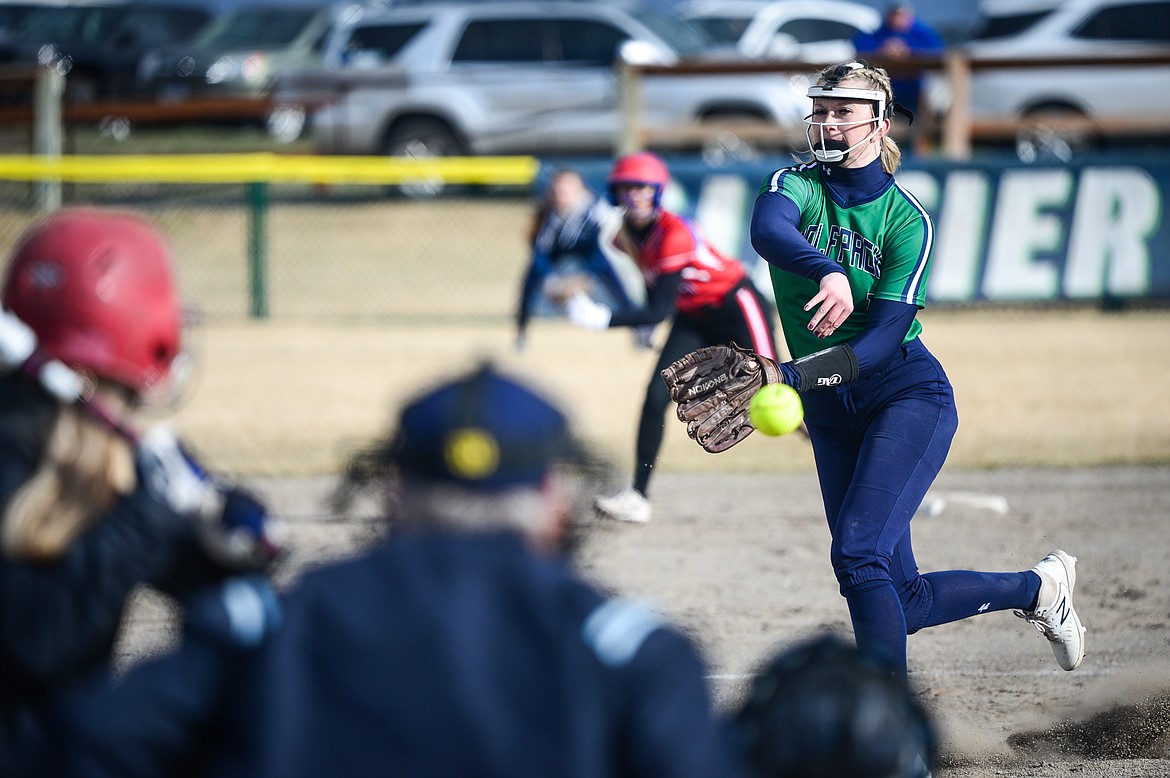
x=85 y=466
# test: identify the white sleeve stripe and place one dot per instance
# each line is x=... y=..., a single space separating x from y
x=774 y=181
x=616 y=630
x=928 y=228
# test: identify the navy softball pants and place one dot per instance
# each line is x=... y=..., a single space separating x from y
x=879 y=442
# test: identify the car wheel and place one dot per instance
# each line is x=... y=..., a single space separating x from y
x=1055 y=133
x=423 y=139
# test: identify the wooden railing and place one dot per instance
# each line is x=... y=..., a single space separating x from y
x=36 y=97
x=18 y=81
x=33 y=96
x=956 y=133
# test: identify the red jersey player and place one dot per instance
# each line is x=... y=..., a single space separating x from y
x=708 y=294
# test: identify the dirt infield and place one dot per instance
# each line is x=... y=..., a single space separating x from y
x=1064 y=442
x=740 y=561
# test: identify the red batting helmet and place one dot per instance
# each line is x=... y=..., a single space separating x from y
x=96 y=288
x=641 y=167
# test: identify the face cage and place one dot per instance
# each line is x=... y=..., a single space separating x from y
x=834 y=156
x=621 y=201
x=169 y=392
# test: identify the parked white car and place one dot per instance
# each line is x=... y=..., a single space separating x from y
x=1045 y=29
x=816 y=31
x=519 y=77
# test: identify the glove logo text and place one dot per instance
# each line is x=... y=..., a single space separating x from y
x=707 y=386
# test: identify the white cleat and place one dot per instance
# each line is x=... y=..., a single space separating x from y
x=624 y=506
x=1054 y=615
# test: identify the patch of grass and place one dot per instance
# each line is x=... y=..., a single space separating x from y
x=220 y=138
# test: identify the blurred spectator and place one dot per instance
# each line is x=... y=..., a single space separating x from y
x=566 y=239
x=463 y=645
x=902 y=34
x=824 y=709
x=89 y=511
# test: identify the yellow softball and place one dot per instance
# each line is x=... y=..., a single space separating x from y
x=776 y=409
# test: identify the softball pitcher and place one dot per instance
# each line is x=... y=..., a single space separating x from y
x=849 y=251
x=709 y=296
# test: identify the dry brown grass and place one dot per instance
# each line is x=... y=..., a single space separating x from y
x=1034 y=387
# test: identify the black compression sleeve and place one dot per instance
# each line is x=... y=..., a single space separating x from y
x=834 y=366
x=660 y=304
x=868 y=352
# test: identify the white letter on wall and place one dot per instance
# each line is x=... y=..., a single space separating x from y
x=1021 y=230
x=1108 y=252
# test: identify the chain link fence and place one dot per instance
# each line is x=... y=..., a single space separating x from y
x=319 y=253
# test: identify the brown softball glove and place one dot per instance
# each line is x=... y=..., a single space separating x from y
x=713 y=387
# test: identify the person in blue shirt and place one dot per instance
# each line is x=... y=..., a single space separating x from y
x=902 y=34
x=461 y=645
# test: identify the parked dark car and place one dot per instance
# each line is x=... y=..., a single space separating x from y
x=98 y=45
x=241 y=53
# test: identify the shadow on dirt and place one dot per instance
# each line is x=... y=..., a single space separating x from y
x=1139 y=730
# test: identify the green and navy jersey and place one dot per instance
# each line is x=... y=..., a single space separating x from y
x=882 y=241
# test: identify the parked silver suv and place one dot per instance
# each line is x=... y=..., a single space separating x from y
x=1088 y=29
x=517 y=77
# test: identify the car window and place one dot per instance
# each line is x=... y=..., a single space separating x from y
x=818 y=30
x=150 y=26
x=1138 y=22
x=381 y=42
x=1006 y=25
x=501 y=40
x=722 y=29
x=685 y=38
x=258 y=27
x=321 y=42
x=11 y=16
x=588 y=42
x=70 y=24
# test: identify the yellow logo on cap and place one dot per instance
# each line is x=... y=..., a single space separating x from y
x=472 y=453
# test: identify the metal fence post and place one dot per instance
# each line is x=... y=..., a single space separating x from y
x=47 y=132
x=258 y=249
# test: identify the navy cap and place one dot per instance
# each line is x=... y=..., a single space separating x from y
x=484 y=430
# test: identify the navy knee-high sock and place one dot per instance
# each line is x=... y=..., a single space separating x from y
x=879 y=625
x=959 y=594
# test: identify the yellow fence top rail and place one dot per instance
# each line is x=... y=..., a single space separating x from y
x=268 y=167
